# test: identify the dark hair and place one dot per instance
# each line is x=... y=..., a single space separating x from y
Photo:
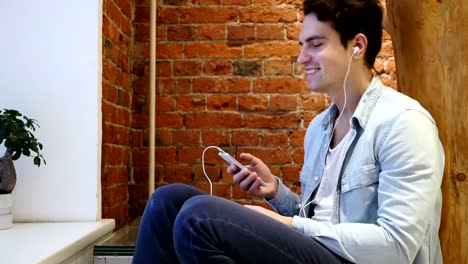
x=349 y=18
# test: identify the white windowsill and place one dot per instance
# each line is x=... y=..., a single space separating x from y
x=50 y=242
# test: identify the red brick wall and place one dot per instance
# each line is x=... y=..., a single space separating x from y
x=117 y=137
x=226 y=76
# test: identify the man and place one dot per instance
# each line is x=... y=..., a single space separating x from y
x=370 y=182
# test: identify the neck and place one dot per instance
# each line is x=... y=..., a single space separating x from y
x=356 y=85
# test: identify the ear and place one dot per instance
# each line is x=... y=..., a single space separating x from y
x=360 y=41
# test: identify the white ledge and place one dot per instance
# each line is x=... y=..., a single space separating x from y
x=50 y=242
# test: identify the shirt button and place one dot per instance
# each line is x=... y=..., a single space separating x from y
x=316 y=178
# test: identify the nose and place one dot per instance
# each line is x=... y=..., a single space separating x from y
x=303 y=56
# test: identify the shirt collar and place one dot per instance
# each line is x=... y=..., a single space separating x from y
x=364 y=108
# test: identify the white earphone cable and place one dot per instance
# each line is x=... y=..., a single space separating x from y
x=203 y=165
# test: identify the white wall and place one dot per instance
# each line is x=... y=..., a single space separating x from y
x=50 y=69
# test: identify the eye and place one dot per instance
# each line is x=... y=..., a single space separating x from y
x=316 y=45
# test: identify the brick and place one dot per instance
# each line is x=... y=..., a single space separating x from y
x=387 y=49
x=178 y=174
x=116 y=134
x=142 y=14
x=140 y=157
x=141 y=86
x=213 y=173
x=189 y=155
x=116 y=115
x=169 y=120
x=272 y=49
x=277 y=2
x=219 y=137
x=166 y=86
x=163 y=137
x=293 y=31
x=245 y=138
x=206 y=2
x=175 y=2
x=241 y=32
x=278 y=67
x=270 y=156
x=253 y=103
x=222 y=102
x=109 y=92
x=270 y=32
x=221 y=85
x=217 y=67
x=165 y=156
x=298 y=155
x=237 y=2
x=283 y=102
x=165 y=104
x=208 y=15
x=163 y=69
x=379 y=65
x=114 y=175
x=213 y=120
x=191 y=103
x=212 y=50
x=126 y=7
x=161 y=33
x=142 y=32
x=169 y=51
x=275 y=139
x=181 y=33
x=187 y=138
x=168 y=15
x=141 y=50
x=389 y=66
x=114 y=195
x=247 y=68
x=313 y=102
x=267 y=14
x=297 y=138
x=290 y=121
x=140 y=120
x=211 y=32
x=291 y=173
x=184 y=86
x=187 y=68
x=114 y=155
x=278 y=85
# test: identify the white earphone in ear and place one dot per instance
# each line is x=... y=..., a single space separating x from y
x=355 y=50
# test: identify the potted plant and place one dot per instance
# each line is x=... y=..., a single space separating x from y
x=16 y=134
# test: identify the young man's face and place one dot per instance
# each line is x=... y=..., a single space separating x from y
x=324 y=58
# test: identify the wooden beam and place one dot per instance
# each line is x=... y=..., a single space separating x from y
x=430 y=40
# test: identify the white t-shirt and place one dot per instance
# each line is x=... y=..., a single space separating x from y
x=327 y=190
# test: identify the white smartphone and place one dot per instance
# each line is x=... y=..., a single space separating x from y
x=231 y=160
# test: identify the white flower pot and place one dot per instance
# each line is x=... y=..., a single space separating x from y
x=6 y=207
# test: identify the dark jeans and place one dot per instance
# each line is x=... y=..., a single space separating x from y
x=182 y=224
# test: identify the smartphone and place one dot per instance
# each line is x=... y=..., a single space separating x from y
x=231 y=160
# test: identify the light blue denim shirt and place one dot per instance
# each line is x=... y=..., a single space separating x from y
x=388 y=201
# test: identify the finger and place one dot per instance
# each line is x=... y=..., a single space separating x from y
x=248 y=158
x=240 y=176
x=247 y=182
x=233 y=169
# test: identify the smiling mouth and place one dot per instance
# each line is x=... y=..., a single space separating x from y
x=312 y=71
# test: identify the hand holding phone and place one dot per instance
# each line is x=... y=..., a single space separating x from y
x=231 y=160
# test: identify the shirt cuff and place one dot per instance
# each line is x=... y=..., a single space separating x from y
x=301 y=224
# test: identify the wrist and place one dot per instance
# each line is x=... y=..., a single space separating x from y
x=274 y=191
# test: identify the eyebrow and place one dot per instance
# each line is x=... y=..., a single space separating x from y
x=314 y=37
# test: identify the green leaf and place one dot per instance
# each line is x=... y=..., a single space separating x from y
x=16 y=155
x=37 y=161
x=26 y=152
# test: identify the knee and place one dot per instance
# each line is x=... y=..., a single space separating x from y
x=169 y=191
